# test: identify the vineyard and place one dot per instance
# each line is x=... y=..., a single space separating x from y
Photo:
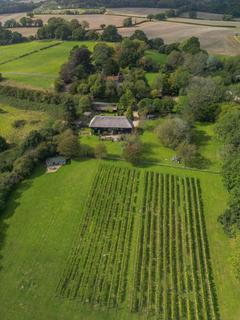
x=97 y=269
x=156 y=221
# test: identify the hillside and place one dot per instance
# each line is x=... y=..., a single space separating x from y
x=218 y=6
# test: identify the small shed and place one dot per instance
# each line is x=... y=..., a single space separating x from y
x=56 y=161
x=111 y=125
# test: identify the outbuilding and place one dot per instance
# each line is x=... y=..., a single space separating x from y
x=111 y=125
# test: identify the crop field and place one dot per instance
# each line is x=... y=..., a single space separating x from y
x=97 y=268
x=172 y=274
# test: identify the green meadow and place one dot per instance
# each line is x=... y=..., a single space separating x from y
x=41 y=68
x=33 y=120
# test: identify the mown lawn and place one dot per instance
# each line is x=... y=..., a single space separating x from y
x=34 y=120
x=37 y=232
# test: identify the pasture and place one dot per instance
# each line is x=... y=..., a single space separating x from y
x=41 y=68
x=29 y=120
x=107 y=241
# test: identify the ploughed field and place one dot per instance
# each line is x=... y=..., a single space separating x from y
x=216 y=40
x=103 y=240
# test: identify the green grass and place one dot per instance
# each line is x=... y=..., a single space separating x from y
x=8 y=115
x=37 y=232
x=154 y=151
x=41 y=69
x=14 y=51
x=159 y=58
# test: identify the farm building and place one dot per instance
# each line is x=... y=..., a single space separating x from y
x=104 y=107
x=111 y=125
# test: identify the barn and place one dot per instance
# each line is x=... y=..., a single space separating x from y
x=111 y=125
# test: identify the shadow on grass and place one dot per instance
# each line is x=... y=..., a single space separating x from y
x=201 y=138
x=13 y=203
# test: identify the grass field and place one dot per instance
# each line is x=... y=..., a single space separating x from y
x=49 y=234
x=8 y=115
x=14 y=51
x=40 y=69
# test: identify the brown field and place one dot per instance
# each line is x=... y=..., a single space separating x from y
x=8 y=16
x=26 y=32
x=214 y=23
x=216 y=40
x=141 y=12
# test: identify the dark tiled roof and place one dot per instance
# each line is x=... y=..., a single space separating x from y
x=111 y=122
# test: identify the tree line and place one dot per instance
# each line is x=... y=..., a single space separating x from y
x=17 y=6
x=228 y=6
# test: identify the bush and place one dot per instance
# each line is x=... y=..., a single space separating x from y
x=132 y=149
x=174 y=131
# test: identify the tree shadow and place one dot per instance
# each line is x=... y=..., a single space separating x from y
x=201 y=138
x=12 y=204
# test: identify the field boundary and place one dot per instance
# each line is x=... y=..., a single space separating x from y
x=200 y=24
x=30 y=53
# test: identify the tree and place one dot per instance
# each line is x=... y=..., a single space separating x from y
x=127 y=22
x=203 y=96
x=156 y=43
x=187 y=152
x=101 y=54
x=68 y=144
x=126 y=100
x=173 y=131
x=3 y=144
x=175 y=59
x=59 y=85
x=84 y=104
x=100 y=151
x=139 y=35
x=228 y=127
x=132 y=149
x=161 y=84
x=192 y=14
x=130 y=52
x=191 y=45
x=110 y=34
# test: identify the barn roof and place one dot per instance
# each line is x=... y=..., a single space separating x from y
x=120 y=122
